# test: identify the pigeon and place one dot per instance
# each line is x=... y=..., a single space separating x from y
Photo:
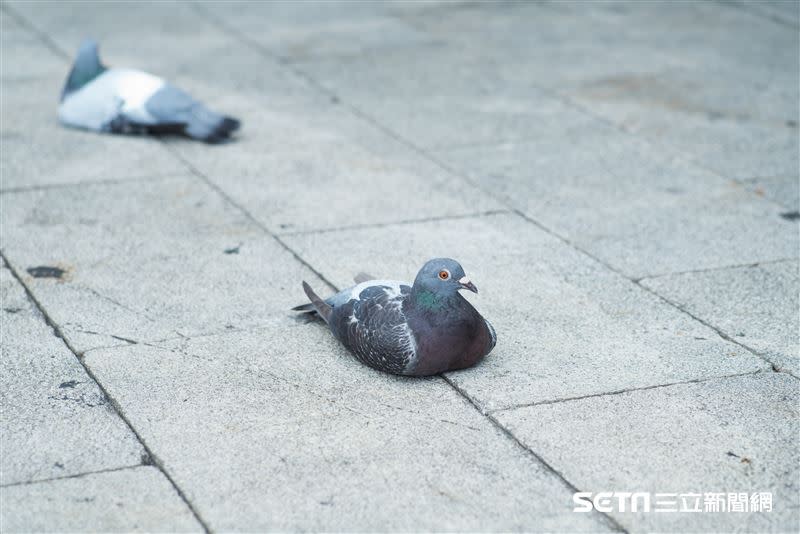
x=415 y=330
x=117 y=100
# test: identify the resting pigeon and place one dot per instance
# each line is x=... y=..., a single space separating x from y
x=418 y=330
x=104 y=99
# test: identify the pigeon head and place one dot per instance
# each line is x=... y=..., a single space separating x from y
x=443 y=276
x=86 y=68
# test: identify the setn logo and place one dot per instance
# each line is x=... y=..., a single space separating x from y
x=603 y=501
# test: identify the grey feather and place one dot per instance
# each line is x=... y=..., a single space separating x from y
x=322 y=307
x=172 y=106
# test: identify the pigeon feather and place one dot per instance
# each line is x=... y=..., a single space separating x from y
x=118 y=100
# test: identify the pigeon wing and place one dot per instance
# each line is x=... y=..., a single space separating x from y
x=373 y=326
x=173 y=107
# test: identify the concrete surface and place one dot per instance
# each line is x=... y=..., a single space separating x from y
x=300 y=436
x=757 y=305
x=620 y=179
x=724 y=435
x=55 y=421
x=138 y=499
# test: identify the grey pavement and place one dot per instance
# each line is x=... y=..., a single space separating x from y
x=620 y=179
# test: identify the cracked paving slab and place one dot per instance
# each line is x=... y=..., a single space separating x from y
x=288 y=432
x=567 y=326
x=728 y=435
x=147 y=261
x=755 y=305
x=55 y=420
x=140 y=499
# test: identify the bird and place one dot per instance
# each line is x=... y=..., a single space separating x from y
x=421 y=329
x=129 y=101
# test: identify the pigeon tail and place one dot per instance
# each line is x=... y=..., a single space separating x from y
x=210 y=127
x=86 y=68
x=211 y=132
x=323 y=308
x=305 y=308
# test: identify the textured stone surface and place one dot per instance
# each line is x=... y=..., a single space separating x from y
x=566 y=325
x=298 y=435
x=55 y=420
x=728 y=435
x=655 y=137
x=288 y=187
x=128 y=500
x=147 y=261
x=641 y=210
x=784 y=190
x=319 y=28
x=757 y=306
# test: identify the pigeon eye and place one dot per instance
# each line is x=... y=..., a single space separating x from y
x=444 y=274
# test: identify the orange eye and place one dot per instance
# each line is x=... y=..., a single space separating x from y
x=444 y=275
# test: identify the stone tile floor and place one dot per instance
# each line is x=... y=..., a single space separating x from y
x=619 y=178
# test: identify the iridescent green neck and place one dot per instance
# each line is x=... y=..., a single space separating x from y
x=429 y=299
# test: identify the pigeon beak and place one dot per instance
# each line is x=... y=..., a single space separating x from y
x=466 y=283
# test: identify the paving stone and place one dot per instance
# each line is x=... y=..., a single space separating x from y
x=757 y=305
x=732 y=105
x=661 y=215
x=322 y=28
x=173 y=41
x=786 y=11
x=289 y=432
x=784 y=190
x=129 y=500
x=25 y=58
x=294 y=139
x=729 y=142
x=55 y=420
x=440 y=96
x=146 y=261
x=730 y=435
x=299 y=174
x=689 y=82
x=489 y=76
x=566 y=325
x=547 y=44
x=37 y=151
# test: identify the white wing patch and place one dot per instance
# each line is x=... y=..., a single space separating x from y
x=391 y=288
x=411 y=348
x=115 y=91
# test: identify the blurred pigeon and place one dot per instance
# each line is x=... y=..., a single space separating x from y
x=418 y=330
x=104 y=99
